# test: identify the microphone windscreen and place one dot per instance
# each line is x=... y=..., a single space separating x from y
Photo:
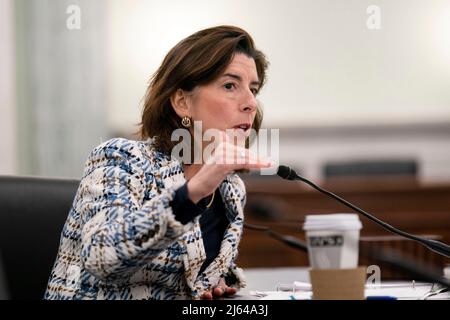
x=285 y=172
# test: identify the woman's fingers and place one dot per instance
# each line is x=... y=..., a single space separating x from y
x=234 y=155
x=245 y=159
x=221 y=290
x=230 y=291
x=223 y=159
x=207 y=296
x=229 y=154
x=218 y=291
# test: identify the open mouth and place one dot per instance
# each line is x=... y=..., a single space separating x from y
x=243 y=126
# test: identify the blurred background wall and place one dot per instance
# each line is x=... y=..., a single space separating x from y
x=338 y=90
x=8 y=122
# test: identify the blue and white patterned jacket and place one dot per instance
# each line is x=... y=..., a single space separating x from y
x=121 y=239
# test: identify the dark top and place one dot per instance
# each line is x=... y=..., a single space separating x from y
x=213 y=221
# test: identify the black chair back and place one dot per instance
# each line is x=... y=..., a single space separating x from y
x=32 y=215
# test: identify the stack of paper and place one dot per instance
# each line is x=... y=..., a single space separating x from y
x=387 y=290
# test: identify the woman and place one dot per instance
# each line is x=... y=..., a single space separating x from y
x=146 y=225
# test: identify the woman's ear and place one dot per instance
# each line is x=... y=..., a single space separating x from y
x=179 y=103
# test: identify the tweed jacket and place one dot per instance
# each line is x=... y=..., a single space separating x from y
x=121 y=239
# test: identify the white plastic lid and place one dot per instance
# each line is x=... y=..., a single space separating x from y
x=338 y=221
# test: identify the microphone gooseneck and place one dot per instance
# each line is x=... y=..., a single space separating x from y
x=287 y=173
x=286 y=239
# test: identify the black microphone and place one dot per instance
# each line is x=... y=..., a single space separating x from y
x=287 y=173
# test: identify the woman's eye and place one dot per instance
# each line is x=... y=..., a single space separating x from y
x=254 y=91
x=229 y=86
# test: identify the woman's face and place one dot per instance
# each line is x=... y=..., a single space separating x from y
x=228 y=102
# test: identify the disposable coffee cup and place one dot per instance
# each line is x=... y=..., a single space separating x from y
x=333 y=240
x=447 y=271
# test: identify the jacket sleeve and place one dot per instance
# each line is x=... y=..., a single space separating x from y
x=235 y=277
x=126 y=217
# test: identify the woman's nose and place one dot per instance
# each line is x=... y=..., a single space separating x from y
x=249 y=102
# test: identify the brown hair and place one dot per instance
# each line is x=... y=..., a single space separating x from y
x=196 y=60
